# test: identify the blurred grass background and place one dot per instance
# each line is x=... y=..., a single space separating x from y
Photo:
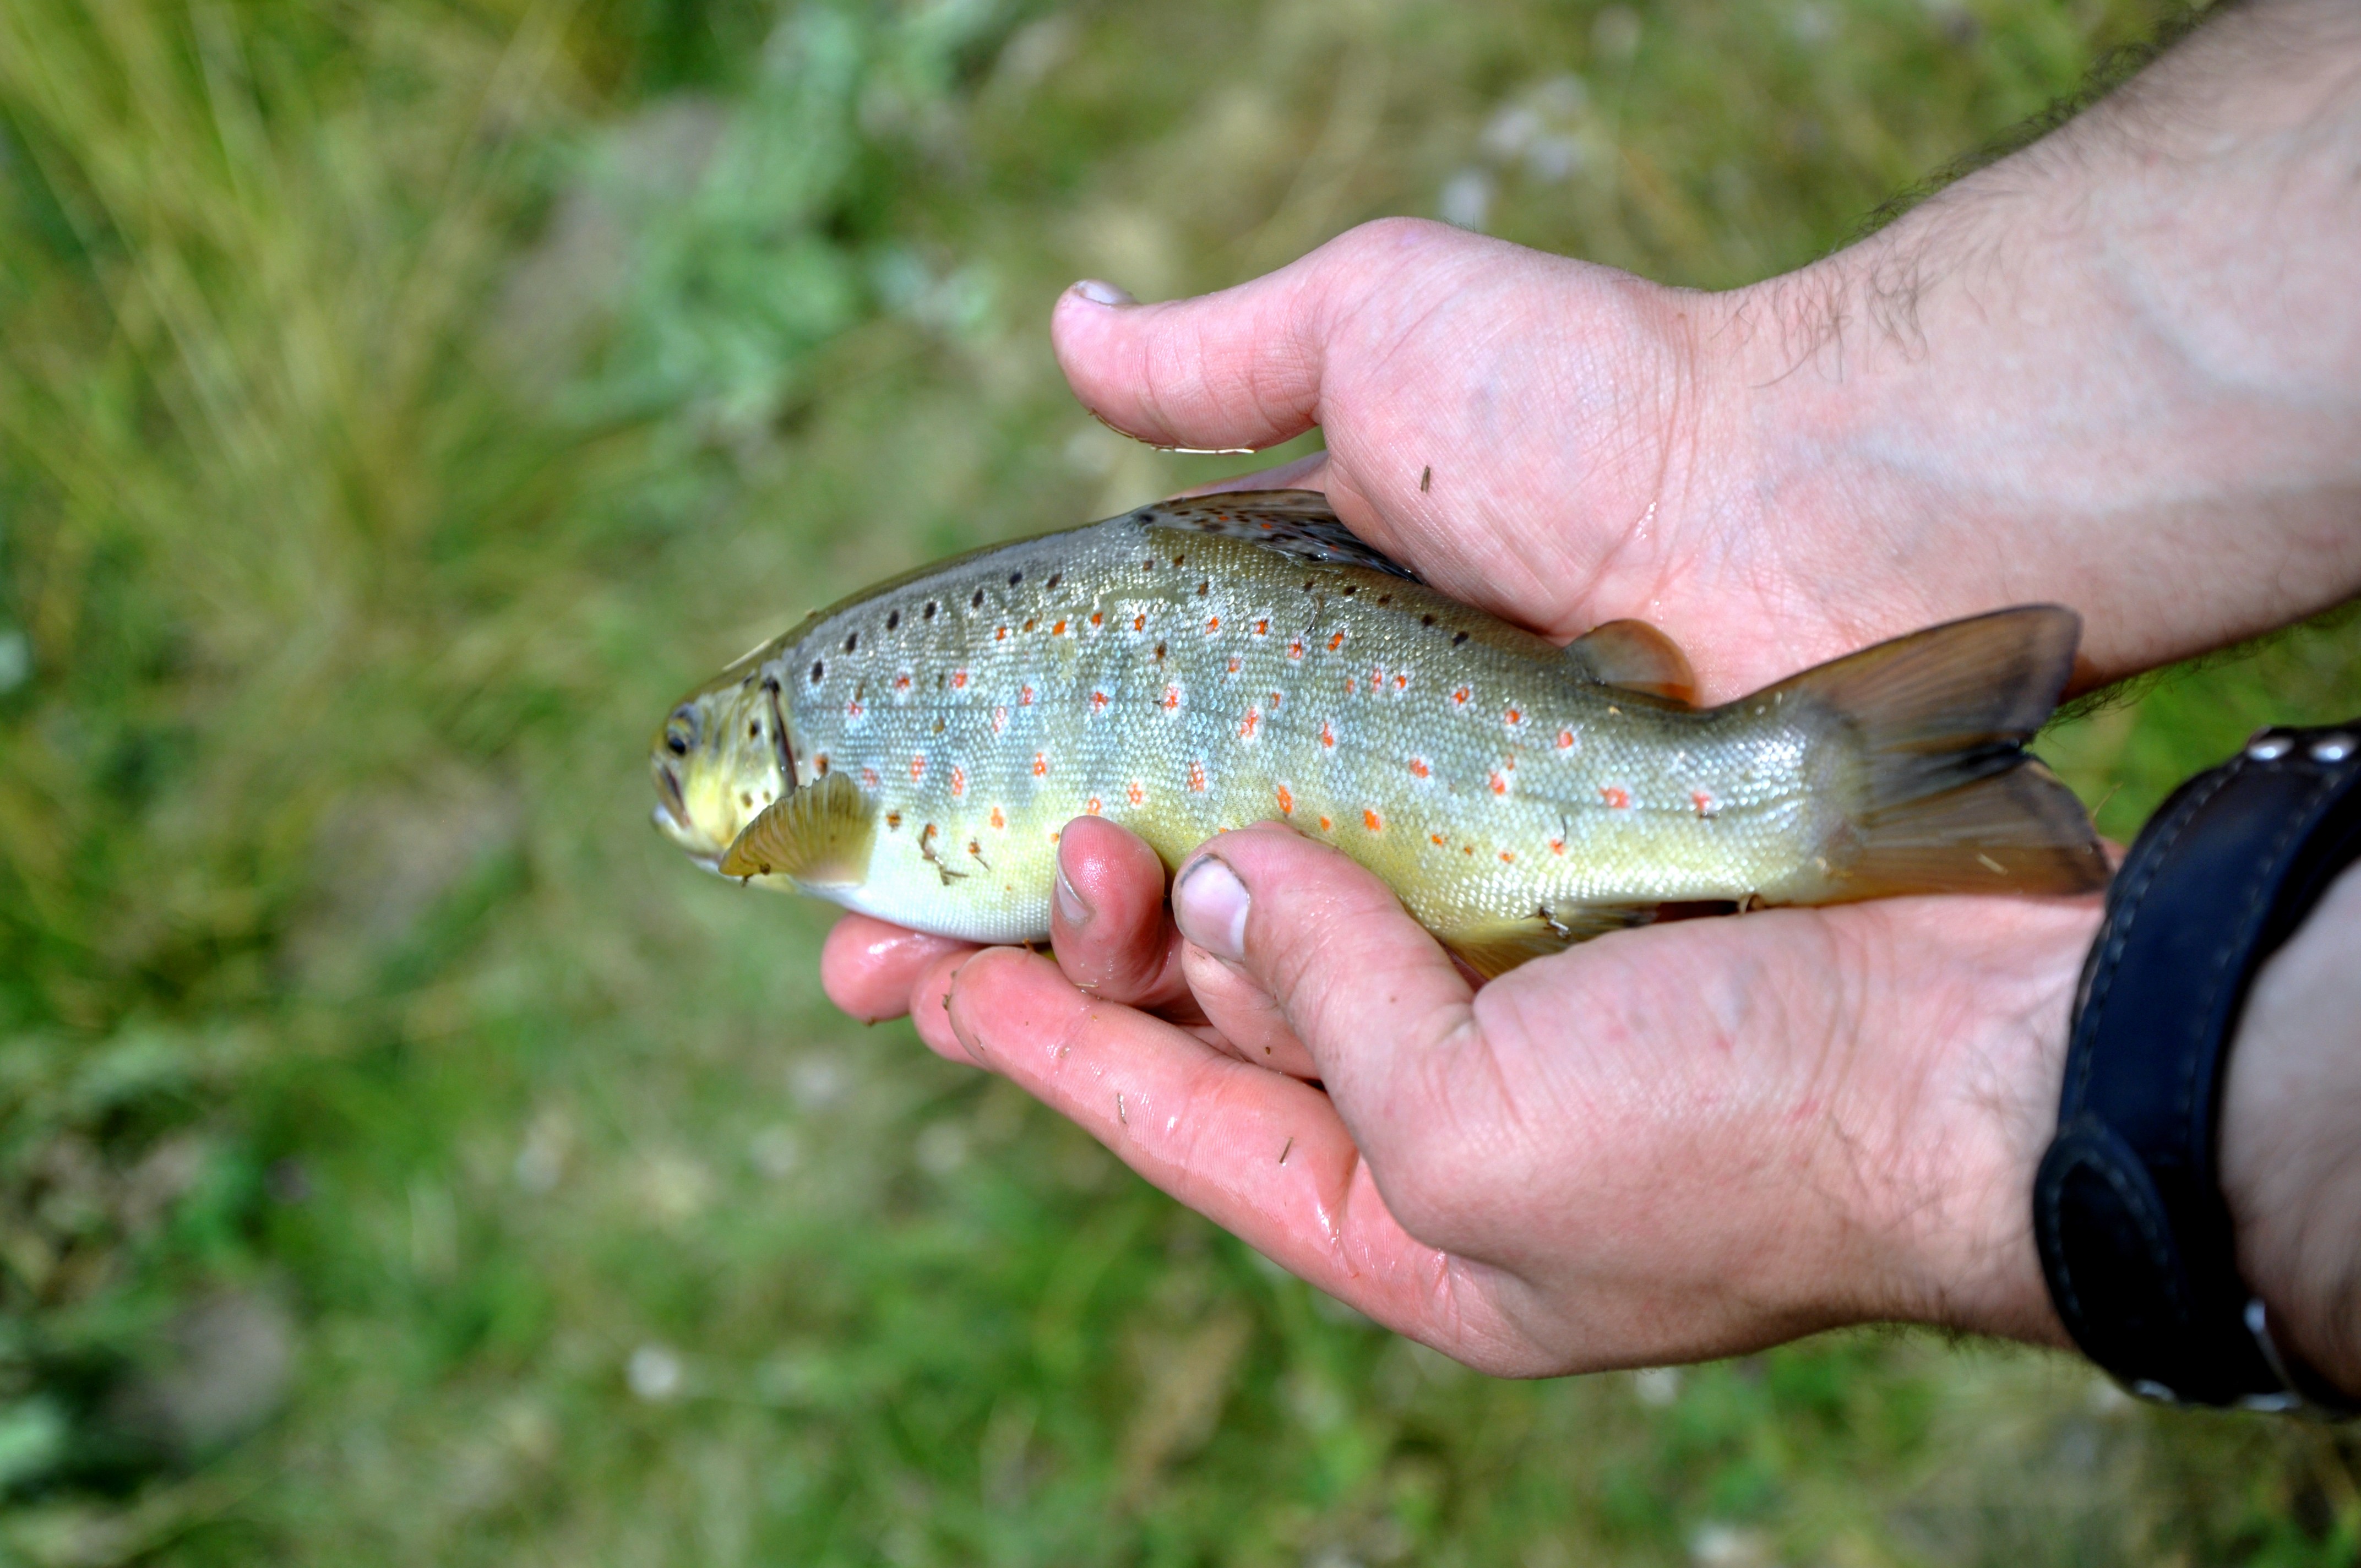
x=404 y=1157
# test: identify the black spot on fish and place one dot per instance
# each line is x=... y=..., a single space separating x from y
x=977 y=602
x=1202 y=588
x=1426 y=620
x=1385 y=598
x=821 y=762
x=1458 y=638
x=754 y=730
x=1056 y=578
x=893 y=620
x=1015 y=578
x=1179 y=560
x=820 y=668
x=1307 y=584
x=1351 y=588
x=1160 y=650
x=930 y=609
x=893 y=822
x=852 y=641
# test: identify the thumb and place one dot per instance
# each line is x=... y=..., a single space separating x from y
x=1236 y=369
x=1378 y=1003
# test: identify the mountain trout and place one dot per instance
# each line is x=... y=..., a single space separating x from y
x=915 y=751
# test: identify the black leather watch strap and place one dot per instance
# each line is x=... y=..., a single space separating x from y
x=2134 y=1235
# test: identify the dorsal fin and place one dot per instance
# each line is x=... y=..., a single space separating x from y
x=819 y=835
x=1636 y=656
x=1296 y=523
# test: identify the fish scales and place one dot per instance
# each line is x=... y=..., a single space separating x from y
x=1198 y=666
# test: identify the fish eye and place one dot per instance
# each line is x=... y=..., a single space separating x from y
x=680 y=731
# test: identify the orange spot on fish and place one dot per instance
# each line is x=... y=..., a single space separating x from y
x=999 y=719
x=1434 y=837
x=868 y=776
x=1197 y=777
x=1276 y=699
x=1514 y=718
x=1233 y=666
x=1325 y=824
x=959 y=780
x=1092 y=806
x=1058 y=629
x=1140 y=623
x=1295 y=648
x=1499 y=784
x=1616 y=799
x=1461 y=696
x=1213 y=624
x=1372 y=821
x=901 y=683
x=1000 y=635
x=851 y=710
x=1401 y=683
x=1097 y=619
x=917 y=767
x=1350 y=685
x=1171 y=698
x=1418 y=768
x=997 y=819
x=1327 y=736
x=1335 y=643
x=1702 y=802
x=1508 y=859
x=1136 y=793
x=1557 y=846
x=958 y=680
x=1098 y=702
x=1246 y=725
x=1262 y=629
x=1566 y=740
x=1040 y=764
x=1285 y=801
x=1024 y=696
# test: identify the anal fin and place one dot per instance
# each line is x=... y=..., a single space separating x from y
x=1636 y=656
x=1494 y=948
x=821 y=834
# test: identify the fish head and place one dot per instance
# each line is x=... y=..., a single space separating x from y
x=721 y=755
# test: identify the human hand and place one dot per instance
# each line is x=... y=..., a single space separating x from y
x=1686 y=1141
x=2120 y=371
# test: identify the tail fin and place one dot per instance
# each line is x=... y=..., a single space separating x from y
x=1953 y=803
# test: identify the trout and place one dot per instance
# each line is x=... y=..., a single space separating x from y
x=915 y=751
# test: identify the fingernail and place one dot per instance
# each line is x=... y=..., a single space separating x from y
x=1075 y=913
x=1210 y=906
x=1100 y=293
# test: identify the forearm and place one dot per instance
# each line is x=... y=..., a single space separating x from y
x=2121 y=368
x=2291 y=1136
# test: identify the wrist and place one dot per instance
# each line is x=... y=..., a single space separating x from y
x=2291 y=1137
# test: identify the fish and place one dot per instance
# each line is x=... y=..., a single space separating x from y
x=916 y=751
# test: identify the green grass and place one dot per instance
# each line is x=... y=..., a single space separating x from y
x=400 y=403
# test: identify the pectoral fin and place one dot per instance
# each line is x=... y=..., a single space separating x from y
x=821 y=834
x=1636 y=656
x=1495 y=948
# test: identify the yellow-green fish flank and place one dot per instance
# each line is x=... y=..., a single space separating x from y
x=916 y=751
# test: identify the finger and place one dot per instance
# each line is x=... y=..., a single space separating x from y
x=867 y=966
x=1106 y=922
x=1386 y=1015
x=1245 y=1019
x=1239 y=368
x=1260 y=1155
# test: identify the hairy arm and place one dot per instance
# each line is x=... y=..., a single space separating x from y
x=2121 y=368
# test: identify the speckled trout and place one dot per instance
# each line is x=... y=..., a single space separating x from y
x=915 y=751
